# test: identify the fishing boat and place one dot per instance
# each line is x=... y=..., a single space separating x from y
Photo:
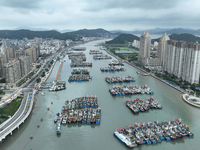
x=98 y=116
x=124 y=139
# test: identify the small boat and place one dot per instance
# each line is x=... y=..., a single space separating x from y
x=138 y=72
x=43 y=93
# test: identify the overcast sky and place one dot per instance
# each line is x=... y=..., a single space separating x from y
x=92 y=14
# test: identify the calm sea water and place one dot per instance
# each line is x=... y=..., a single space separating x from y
x=114 y=114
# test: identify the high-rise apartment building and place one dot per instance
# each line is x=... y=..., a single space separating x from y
x=2 y=73
x=161 y=48
x=32 y=53
x=183 y=60
x=145 y=45
x=25 y=65
x=12 y=71
x=6 y=43
x=8 y=54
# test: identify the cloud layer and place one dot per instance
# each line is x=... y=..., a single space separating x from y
x=108 y=14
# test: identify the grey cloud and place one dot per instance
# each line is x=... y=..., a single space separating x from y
x=22 y=4
x=130 y=4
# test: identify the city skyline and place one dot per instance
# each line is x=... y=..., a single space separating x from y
x=109 y=14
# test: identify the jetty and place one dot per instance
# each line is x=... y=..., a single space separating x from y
x=112 y=68
x=152 y=132
x=139 y=105
x=118 y=79
x=130 y=90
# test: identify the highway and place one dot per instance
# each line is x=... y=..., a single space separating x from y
x=25 y=108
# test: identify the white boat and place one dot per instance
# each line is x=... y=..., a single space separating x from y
x=43 y=93
x=138 y=72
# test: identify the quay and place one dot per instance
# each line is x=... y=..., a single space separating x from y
x=129 y=90
x=139 y=105
x=109 y=68
x=117 y=79
x=152 y=132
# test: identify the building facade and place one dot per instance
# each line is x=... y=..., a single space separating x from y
x=161 y=48
x=25 y=65
x=183 y=60
x=145 y=46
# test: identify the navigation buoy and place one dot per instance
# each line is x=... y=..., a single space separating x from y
x=31 y=137
x=47 y=108
x=38 y=125
x=41 y=119
x=51 y=102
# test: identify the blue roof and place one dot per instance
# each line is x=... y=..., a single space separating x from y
x=30 y=98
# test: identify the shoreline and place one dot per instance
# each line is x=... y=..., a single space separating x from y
x=144 y=71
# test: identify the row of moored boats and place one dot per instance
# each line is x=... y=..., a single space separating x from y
x=152 y=132
x=79 y=110
x=118 y=79
x=130 y=90
x=112 y=68
x=139 y=105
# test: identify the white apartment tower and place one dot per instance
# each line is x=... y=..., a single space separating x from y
x=145 y=45
x=183 y=60
x=161 y=48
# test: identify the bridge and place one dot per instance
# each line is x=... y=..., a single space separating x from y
x=19 y=117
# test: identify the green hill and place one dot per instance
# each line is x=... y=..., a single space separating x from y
x=185 y=37
x=182 y=37
x=123 y=39
x=92 y=33
x=19 y=34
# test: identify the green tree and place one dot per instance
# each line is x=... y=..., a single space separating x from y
x=38 y=80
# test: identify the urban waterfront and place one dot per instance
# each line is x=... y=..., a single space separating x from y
x=115 y=114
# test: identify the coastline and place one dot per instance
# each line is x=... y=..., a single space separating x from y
x=187 y=101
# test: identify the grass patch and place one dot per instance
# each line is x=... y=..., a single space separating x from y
x=11 y=108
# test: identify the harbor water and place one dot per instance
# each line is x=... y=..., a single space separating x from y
x=114 y=113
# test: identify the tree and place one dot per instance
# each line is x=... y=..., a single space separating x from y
x=38 y=80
